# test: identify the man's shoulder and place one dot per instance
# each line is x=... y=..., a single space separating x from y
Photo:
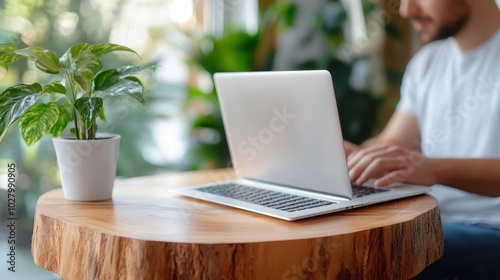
x=430 y=54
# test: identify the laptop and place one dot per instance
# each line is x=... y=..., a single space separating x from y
x=286 y=147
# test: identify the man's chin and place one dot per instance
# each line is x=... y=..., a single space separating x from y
x=426 y=37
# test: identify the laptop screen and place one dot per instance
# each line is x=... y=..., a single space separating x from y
x=283 y=128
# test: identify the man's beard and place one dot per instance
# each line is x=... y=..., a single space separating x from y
x=451 y=29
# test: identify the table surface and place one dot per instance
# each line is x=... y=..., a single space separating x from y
x=148 y=232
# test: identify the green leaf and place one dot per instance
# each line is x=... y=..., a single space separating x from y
x=102 y=115
x=62 y=122
x=106 y=79
x=130 y=70
x=54 y=88
x=8 y=55
x=37 y=121
x=87 y=67
x=15 y=101
x=129 y=86
x=109 y=77
x=89 y=108
x=45 y=60
x=102 y=49
x=73 y=53
x=83 y=65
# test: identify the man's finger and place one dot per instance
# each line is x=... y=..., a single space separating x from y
x=377 y=169
x=355 y=158
x=396 y=176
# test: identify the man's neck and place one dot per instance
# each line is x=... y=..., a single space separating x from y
x=483 y=23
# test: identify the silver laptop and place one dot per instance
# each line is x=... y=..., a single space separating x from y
x=286 y=147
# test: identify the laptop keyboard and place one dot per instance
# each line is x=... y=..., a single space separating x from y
x=359 y=191
x=272 y=199
x=278 y=200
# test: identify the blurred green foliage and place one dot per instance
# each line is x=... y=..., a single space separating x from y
x=233 y=52
x=57 y=25
x=236 y=51
x=358 y=109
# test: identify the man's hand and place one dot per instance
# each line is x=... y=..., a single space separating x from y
x=388 y=164
x=350 y=148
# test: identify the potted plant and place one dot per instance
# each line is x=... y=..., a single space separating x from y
x=87 y=160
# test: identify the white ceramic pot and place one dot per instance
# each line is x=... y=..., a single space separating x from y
x=88 y=167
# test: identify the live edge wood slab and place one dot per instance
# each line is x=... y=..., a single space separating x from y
x=147 y=232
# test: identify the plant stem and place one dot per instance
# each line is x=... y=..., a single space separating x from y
x=78 y=133
x=92 y=131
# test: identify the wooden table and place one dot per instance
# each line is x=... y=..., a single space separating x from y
x=147 y=232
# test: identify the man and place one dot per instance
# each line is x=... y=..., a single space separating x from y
x=445 y=131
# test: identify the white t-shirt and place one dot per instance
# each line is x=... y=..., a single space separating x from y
x=455 y=97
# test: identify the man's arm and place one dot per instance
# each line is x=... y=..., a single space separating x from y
x=394 y=156
x=481 y=176
x=401 y=130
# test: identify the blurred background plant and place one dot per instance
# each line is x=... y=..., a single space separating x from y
x=333 y=35
x=180 y=128
x=292 y=35
x=58 y=24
